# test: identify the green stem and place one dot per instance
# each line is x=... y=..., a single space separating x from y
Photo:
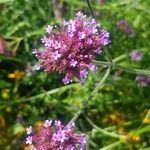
x=2 y=57
x=86 y=102
x=53 y=91
x=104 y=132
x=123 y=68
x=108 y=55
x=90 y=8
x=146 y=117
x=111 y=146
x=119 y=58
x=147 y=148
x=139 y=131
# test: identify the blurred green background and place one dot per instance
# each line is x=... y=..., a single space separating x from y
x=27 y=97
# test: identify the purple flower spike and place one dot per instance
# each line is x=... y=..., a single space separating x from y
x=56 y=137
x=71 y=48
x=136 y=55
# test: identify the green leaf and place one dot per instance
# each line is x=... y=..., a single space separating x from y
x=5 y=1
x=17 y=128
x=4 y=84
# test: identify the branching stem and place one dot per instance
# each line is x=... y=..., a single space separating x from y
x=86 y=102
x=123 y=68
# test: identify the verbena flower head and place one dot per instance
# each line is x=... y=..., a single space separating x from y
x=71 y=48
x=136 y=55
x=55 y=136
x=143 y=80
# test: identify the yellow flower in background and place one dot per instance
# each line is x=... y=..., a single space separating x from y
x=38 y=125
x=122 y=130
x=8 y=109
x=2 y=121
x=146 y=121
x=17 y=75
x=5 y=93
x=28 y=147
x=117 y=118
x=136 y=138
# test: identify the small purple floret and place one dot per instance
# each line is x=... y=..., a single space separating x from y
x=83 y=73
x=66 y=80
x=98 y=51
x=49 y=29
x=29 y=130
x=73 y=62
x=47 y=123
x=92 y=67
x=56 y=55
x=29 y=140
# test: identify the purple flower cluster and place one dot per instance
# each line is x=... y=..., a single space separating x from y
x=136 y=55
x=143 y=80
x=55 y=137
x=124 y=26
x=71 y=48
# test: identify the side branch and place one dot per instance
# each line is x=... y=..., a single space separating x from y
x=123 y=68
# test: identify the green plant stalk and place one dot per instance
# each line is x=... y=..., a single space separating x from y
x=123 y=68
x=91 y=143
x=147 y=116
x=109 y=147
x=103 y=131
x=8 y=58
x=53 y=91
x=140 y=130
x=90 y=8
x=119 y=58
x=147 y=148
x=86 y=102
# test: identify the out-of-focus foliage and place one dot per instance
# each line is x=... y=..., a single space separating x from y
x=120 y=107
